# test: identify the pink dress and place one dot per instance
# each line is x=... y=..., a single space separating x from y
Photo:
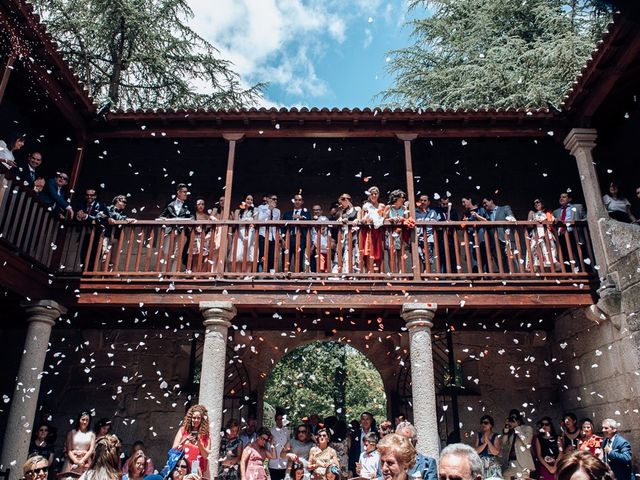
x=255 y=464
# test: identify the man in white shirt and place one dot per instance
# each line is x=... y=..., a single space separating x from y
x=280 y=437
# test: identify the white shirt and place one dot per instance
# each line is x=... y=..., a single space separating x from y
x=264 y=215
x=280 y=438
x=369 y=464
x=615 y=204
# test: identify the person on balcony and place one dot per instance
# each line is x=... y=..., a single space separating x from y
x=499 y=213
x=295 y=247
x=446 y=212
x=565 y=216
x=474 y=213
x=176 y=209
x=245 y=238
x=347 y=214
x=396 y=238
x=320 y=261
x=371 y=238
x=266 y=212
x=92 y=214
x=14 y=143
x=541 y=239
x=618 y=207
x=424 y=213
x=53 y=196
x=28 y=171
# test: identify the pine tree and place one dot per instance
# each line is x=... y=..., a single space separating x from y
x=494 y=53
x=142 y=54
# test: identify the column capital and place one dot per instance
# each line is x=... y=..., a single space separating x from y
x=218 y=313
x=419 y=314
x=580 y=138
x=45 y=311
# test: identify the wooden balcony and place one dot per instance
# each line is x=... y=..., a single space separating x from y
x=295 y=264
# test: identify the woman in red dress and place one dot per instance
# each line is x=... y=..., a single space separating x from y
x=193 y=437
x=588 y=440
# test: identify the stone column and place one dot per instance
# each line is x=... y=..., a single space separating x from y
x=217 y=320
x=580 y=143
x=42 y=315
x=419 y=318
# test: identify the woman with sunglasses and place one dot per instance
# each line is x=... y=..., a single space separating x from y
x=322 y=456
x=297 y=449
x=255 y=454
x=39 y=445
x=180 y=470
x=546 y=449
x=35 y=468
x=488 y=447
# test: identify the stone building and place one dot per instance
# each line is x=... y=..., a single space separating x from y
x=139 y=322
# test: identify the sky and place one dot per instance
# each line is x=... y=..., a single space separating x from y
x=313 y=53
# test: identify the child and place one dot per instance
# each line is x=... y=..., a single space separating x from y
x=369 y=464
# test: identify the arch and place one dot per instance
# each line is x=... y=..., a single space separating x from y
x=372 y=376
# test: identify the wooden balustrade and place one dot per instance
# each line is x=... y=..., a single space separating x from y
x=33 y=231
x=333 y=250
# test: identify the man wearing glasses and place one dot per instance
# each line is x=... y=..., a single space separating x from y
x=460 y=462
x=267 y=212
x=516 y=445
x=53 y=196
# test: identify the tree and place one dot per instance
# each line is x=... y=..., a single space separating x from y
x=141 y=53
x=327 y=378
x=494 y=53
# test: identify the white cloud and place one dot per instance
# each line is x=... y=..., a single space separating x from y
x=280 y=41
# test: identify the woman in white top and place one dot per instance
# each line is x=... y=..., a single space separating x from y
x=245 y=239
x=105 y=465
x=80 y=445
x=371 y=240
x=14 y=143
x=618 y=207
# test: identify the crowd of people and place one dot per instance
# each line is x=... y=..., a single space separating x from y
x=331 y=449
x=381 y=235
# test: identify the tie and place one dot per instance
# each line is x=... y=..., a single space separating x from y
x=493 y=215
x=563 y=218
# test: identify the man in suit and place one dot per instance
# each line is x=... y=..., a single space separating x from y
x=617 y=451
x=176 y=209
x=266 y=212
x=53 y=196
x=90 y=212
x=28 y=172
x=496 y=213
x=516 y=447
x=297 y=235
x=566 y=215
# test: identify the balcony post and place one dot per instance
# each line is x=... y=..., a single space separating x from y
x=217 y=320
x=407 y=139
x=580 y=143
x=418 y=317
x=8 y=68
x=233 y=139
x=41 y=316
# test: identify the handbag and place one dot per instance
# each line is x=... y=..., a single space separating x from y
x=174 y=456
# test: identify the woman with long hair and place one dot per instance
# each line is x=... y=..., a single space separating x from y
x=541 y=239
x=80 y=445
x=181 y=470
x=371 y=219
x=255 y=454
x=618 y=207
x=136 y=466
x=193 y=436
x=106 y=461
x=397 y=237
x=546 y=449
x=245 y=239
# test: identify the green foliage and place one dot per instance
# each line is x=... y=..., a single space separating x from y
x=141 y=53
x=327 y=378
x=494 y=53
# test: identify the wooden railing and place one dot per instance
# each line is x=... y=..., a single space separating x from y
x=333 y=250
x=30 y=229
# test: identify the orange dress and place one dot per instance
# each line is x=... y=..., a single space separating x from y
x=592 y=445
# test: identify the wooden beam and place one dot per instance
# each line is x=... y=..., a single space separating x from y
x=6 y=74
x=232 y=138
x=77 y=164
x=407 y=139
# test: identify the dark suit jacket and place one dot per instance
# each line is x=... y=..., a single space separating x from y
x=425 y=466
x=50 y=196
x=502 y=212
x=26 y=178
x=171 y=211
x=97 y=212
x=620 y=457
x=304 y=214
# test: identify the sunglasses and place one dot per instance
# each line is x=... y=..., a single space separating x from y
x=266 y=439
x=63 y=177
x=182 y=467
x=38 y=471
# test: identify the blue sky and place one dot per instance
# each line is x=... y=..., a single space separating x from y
x=324 y=53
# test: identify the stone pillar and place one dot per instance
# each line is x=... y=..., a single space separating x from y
x=419 y=318
x=580 y=143
x=217 y=320
x=42 y=315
